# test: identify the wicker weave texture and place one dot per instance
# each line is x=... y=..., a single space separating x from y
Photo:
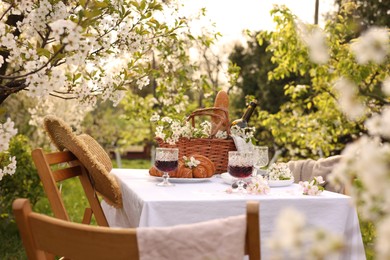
x=214 y=149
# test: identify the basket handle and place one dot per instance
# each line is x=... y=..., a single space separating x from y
x=223 y=119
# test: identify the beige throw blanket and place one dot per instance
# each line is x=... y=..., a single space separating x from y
x=222 y=239
x=305 y=170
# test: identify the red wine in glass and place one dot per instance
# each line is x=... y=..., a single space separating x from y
x=166 y=161
x=240 y=171
x=240 y=166
x=166 y=166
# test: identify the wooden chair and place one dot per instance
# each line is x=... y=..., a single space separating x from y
x=73 y=168
x=41 y=234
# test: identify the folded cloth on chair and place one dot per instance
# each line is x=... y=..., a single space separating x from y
x=214 y=239
x=305 y=170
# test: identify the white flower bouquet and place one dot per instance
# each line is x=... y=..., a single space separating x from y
x=171 y=130
x=279 y=171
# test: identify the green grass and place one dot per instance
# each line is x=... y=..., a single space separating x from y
x=133 y=164
x=11 y=247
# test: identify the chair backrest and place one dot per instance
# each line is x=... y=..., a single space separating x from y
x=42 y=234
x=59 y=166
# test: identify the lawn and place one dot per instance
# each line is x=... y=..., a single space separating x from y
x=75 y=202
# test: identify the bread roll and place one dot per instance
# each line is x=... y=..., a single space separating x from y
x=221 y=101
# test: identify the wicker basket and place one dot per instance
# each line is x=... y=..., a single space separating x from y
x=213 y=148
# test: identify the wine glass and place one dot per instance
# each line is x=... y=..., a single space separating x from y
x=260 y=159
x=166 y=161
x=240 y=166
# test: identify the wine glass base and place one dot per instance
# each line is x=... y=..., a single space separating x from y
x=240 y=192
x=241 y=187
x=165 y=184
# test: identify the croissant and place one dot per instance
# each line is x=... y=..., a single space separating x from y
x=205 y=169
x=183 y=171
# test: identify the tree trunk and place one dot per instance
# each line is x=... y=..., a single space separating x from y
x=317 y=5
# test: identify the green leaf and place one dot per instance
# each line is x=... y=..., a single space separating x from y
x=44 y=52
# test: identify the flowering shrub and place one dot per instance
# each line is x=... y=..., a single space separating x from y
x=279 y=171
x=312 y=187
x=24 y=183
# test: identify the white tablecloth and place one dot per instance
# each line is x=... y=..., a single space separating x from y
x=146 y=205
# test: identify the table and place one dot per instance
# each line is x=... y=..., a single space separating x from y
x=146 y=205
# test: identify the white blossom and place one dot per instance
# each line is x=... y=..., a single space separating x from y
x=386 y=86
x=348 y=101
x=379 y=124
x=142 y=82
x=294 y=239
x=367 y=160
x=287 y=234
x=258 y=185
x=155 y=117
x=9 y=169
x=166 y=119
x=299 y=88
x=221 y=134
x=190 y=162
x=279 y=171
x=25 y=6
x=315 y=39
x=383 y=238
x=313 y=187
x=8 y=40
x=7 y=131
x=372 y=45
x=246 y=133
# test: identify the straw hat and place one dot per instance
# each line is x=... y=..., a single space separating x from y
x=90 y=154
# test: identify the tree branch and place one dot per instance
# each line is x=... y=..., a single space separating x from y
x=59 y=96
x=6 y=11
x=34 y=71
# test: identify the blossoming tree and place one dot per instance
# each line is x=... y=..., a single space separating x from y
x=344 y=110
x=90 y=50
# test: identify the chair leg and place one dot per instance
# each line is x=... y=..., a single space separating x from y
x=87 y=216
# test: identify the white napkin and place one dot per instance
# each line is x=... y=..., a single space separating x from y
x=214 y=239
x=241 y=144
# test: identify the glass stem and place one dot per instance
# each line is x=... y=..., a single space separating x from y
x=165 y=177
x=240 y=184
